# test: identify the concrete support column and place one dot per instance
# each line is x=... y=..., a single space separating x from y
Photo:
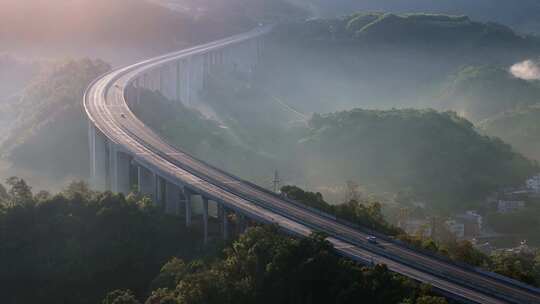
x=146 y=182
x=207 y=68
x=159 y=189
x=138 y=91
x=113 y=167
x=225 y=219
x=172 y=198
x=241 y=222
x=123 y=173
x=98 y=158
x=187 y=84
x=161 y=79
x=189 y=212
x=205 y=219
x=146 y=81
x=177 y=81
x=92 y=147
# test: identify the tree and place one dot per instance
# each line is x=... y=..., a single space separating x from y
x=3 y=194
x=78 y=189
x=353 y=192
x=20 y=193
x=42 y=196
x=162 y=296
x=431 y=300
x=120 y=297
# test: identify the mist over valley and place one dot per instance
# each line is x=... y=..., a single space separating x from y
x=411 y=125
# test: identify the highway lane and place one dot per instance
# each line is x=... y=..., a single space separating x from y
x=107 y=108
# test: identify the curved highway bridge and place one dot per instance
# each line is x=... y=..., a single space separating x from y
x=124 y=152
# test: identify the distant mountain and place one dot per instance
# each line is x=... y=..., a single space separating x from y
x=385 y=60
x=521 y=15
x=519 y=127
x=481 y=92
x=439 y=156
x=418 y=30
x=48 y=133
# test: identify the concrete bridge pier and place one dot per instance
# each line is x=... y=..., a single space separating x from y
x=205 y=219
x=172 y=198
x=123 y=176
x=161 y=79
x=188 y=206
x=187 y=80
x=207 y=63
x=113 y=167
x=168 y=88
x=161 y=185
x=241 y=223
x=146 y=182
x=225 y=221
x=156 y=80
x=198 y=77
x=98 y=158
x=138 y=91
x=178 y=81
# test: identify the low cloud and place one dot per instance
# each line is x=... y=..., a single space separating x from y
x=527 y=70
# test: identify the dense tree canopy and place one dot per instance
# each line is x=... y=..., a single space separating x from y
x=367 y=213
x=80 y=246
x=522 y=266
x=75 y=246
x=264 y=267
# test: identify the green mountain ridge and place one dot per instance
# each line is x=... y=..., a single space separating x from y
x=440 y=156
x=519 y=127
x=48 y=133
x=426 y=30
x=481 y=92
x=521 y=15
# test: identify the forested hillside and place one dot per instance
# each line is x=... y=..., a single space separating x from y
x=75 y=246
x=420 y=30
x=519 y=127
x=205 y=138
x=439 y=156
x=521 y=14
x=47 y=133
x=78 y=245
x=482 y=92
x=264 y=267
x=384 y=60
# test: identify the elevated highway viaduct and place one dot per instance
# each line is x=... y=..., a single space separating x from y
x=125 y=152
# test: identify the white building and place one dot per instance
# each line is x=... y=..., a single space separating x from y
x=417 y=227
x=472 y=221
x=456 y=228
x=533 y=183
x=507 y=206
